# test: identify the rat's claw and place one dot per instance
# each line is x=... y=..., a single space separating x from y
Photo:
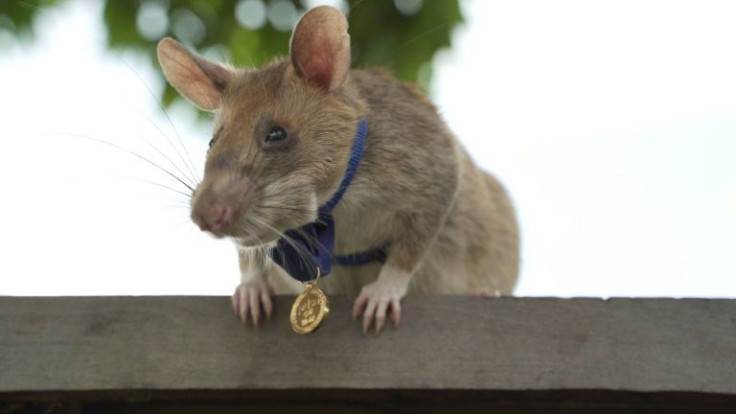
x=250 y=297
x=240 y=304
x=395 y=312
x=370 y=309
x=381 y=315
x=255 y=306
x=374 y=304
x=235 y=301
x=359 y=306
x=266 y=301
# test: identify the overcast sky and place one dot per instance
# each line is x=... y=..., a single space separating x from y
x=613 y=125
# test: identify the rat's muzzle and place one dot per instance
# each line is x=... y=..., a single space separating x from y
x=220 y=200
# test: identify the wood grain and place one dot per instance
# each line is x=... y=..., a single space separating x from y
x=107 y=345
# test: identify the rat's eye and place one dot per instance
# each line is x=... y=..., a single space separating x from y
x=214 y=138
x=271 y=136
x=275 y=135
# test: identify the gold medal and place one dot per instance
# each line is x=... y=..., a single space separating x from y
x=309 y=309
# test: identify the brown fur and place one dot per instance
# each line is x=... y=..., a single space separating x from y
x=450 y=226
x=418 y=187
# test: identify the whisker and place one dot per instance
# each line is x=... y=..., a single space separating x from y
x=303 y=255
x=187 y=195
x=414 y=40
x=285 y=208
x=192 y=175
x=126 y=150
x=177 y=207
x=184 y=223
x=189 y=166
x=355 y=5
x=314 y=242
x=103 y=43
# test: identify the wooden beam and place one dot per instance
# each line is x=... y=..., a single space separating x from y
x=639 y=351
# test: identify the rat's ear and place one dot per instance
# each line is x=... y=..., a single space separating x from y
x=198 y=79
x=320 y=47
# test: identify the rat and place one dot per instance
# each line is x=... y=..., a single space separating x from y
x=284 y=138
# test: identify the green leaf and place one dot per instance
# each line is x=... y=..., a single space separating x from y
x=380 y=34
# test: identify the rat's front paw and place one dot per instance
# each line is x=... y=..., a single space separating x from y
x=250 y=297
x=375 y=302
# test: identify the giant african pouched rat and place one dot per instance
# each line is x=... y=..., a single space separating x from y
x=283 y=138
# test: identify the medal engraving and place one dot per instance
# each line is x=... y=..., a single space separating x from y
x=309 y=310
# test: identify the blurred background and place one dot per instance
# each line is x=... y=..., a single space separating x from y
x=612 y=124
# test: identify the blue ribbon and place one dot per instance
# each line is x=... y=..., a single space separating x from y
x=310 y=247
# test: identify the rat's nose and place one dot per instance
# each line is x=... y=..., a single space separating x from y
x=211 y=215
x=220 y=199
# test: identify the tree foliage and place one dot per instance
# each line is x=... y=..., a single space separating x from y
x=402 y=35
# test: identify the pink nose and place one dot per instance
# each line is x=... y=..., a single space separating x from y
x=211 y=215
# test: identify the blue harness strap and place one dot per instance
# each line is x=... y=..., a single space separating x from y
x=305 y=250
x=358 y=259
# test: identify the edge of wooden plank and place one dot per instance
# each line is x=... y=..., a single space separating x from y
x=98 y=344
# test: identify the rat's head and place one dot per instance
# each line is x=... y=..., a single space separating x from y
x=282 y=134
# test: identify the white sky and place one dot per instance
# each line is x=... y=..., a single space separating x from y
x=612 y=124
